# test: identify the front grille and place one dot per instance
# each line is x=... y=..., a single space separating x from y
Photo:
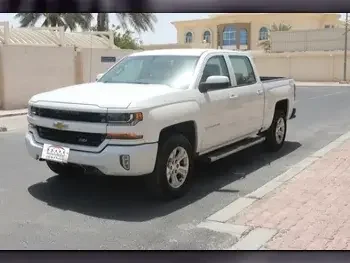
x=71 y=137
x=67 y=115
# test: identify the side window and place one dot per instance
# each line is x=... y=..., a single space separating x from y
x=243 y=70
x=216 y=66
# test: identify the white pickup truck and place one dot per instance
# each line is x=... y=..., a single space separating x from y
x=155 y=112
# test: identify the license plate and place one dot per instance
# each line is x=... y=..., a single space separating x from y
x=55 y=153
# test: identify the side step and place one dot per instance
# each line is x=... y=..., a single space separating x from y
x=233 y=148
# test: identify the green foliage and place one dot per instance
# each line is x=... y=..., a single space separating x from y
x=67 y=20
x=139 y=22
x=125 y=40
x=122 y=39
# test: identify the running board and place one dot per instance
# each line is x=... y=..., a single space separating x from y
x=233 y=148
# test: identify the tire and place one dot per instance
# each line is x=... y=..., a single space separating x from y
x=274 y=141
x=65 y=170
x=159 y=183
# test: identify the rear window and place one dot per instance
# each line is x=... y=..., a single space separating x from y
x=243 y=70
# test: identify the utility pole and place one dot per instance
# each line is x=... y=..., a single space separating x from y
x=346 y=44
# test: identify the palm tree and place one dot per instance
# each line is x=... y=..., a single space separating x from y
x=140 y=22
x=67 y=20
x=266 y=44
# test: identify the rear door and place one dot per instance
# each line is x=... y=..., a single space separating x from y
x=249 y=94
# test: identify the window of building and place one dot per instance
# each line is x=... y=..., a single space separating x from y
x=243 y=37
x=229 y=36
x=189 y=37
x=207 y=36
x=263 y=33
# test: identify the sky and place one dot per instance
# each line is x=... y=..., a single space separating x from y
x=164 y=31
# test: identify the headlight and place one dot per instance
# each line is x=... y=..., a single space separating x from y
x=32 y=111
x=124 y=118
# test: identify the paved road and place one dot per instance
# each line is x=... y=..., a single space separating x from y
x=38 y=211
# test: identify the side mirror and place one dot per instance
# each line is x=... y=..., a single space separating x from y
x=214 y=83
x=99 y=76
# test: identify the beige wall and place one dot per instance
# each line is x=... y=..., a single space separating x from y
x=303 y=66
x=91 y=64
x=28 y=70
x=308 y=40
x=296 y=20
x=175 y=46
x=165 y=46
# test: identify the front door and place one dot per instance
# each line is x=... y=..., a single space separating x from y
x=214 y=104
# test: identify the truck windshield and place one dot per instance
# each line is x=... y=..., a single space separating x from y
x=170 y=70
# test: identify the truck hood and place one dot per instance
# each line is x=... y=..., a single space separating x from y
x=104 y=95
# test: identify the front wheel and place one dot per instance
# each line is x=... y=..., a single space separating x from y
x=172 y=176
x=276 y=134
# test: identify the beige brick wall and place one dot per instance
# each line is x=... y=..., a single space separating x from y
x=303 y=66
x=308 y=40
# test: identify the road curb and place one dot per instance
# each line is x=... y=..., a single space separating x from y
x=322 y=84
x=4 y=115
x=256 y=238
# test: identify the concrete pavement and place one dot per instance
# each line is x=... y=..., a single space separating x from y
x=40 y=211
x=9 y=113
x=307 y=211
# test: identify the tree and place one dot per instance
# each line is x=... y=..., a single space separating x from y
x=266 y=44
x=140 y=22
x=123 y=40
x=67 y=20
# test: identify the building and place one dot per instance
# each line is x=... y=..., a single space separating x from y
x=245 y=30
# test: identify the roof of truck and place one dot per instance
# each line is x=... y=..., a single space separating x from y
x=185 y=51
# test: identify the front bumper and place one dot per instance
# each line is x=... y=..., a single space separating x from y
x=142 y=157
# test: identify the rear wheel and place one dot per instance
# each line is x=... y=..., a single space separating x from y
x=172 y=176
x=276 y=134
x=65 y=170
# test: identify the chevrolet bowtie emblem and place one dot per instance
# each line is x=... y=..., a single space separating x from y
x=60 y=125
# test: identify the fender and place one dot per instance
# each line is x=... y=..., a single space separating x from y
x=272 y=96
x=171 y=114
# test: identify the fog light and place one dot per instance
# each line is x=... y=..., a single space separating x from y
x=125 y=161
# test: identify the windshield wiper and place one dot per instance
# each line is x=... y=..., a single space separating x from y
x=134 y=82
x=140 y=82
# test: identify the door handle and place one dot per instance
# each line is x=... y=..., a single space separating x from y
x=233 y=96
x=260 y=92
